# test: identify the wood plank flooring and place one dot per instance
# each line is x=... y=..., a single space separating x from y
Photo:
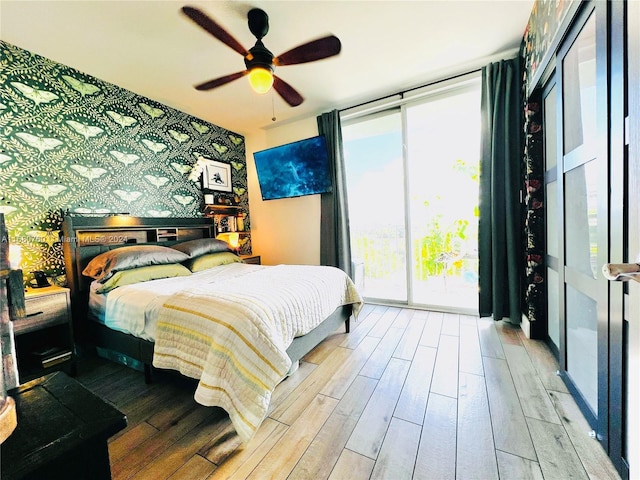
x=407 y=394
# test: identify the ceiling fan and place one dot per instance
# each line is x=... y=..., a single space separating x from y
x=260 y=62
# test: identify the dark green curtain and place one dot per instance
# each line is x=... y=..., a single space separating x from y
x=335 y=242
x=500 y=226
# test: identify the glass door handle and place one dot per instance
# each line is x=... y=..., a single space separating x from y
x=621 y=271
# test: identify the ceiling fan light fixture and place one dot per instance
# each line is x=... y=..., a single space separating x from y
x=260 y=63
x=260 y=79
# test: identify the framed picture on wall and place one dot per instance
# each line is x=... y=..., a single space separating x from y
x=216 y=176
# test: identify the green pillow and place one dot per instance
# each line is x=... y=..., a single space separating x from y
x=212 y=260
x=143 y=274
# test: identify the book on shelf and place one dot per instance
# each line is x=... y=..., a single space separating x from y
x=50 y=356
x=56 y=359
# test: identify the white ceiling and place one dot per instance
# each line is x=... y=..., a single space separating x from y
x=151 y=48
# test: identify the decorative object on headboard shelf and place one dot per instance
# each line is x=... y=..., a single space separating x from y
x=228 y=218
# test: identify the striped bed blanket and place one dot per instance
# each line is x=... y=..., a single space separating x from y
x=233 y=337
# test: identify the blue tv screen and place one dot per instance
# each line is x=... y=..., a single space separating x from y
x=293 y=170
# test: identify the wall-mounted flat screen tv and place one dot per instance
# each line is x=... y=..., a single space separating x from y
x=293 y=170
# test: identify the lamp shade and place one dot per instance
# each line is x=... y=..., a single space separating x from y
x=15 y=256
x=260 y=79
x=232 y=238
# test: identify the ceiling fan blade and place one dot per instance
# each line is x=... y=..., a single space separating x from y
x=214 y=29
x=310 y=52
x=287 y=92
x=220 y=81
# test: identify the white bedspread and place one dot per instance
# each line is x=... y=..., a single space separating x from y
x=134 y=308
x=231 y=328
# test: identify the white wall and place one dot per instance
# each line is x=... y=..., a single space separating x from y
x=285 y=230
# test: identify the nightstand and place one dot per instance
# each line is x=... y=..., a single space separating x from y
x=251 y=259
x=44 y=337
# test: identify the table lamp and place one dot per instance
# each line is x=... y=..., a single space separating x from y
x=232 y=238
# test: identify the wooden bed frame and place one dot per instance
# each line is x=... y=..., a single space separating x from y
x=86 y=237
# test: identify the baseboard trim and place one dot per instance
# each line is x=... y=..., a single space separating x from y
x=525 y=325
x=533 y=330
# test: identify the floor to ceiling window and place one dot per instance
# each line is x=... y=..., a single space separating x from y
x=412 y=176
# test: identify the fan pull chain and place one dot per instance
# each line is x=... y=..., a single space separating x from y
x=273 y=107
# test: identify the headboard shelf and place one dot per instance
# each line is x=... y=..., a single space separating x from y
x=122 y=230
x=111 y=237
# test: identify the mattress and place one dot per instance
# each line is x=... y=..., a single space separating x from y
x=134 y=309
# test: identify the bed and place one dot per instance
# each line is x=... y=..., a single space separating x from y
x=170 y=322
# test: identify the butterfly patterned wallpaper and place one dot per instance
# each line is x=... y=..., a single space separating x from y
x=71 y=143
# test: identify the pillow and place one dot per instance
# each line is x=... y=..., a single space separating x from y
x=202 y=246
x=212 y=260
x=106 y=264
x=143 y=274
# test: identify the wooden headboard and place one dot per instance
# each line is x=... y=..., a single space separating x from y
x=86 y=237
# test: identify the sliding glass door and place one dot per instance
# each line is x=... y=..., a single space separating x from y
x=375 y=179
x=443 y=151
x=412 y=175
